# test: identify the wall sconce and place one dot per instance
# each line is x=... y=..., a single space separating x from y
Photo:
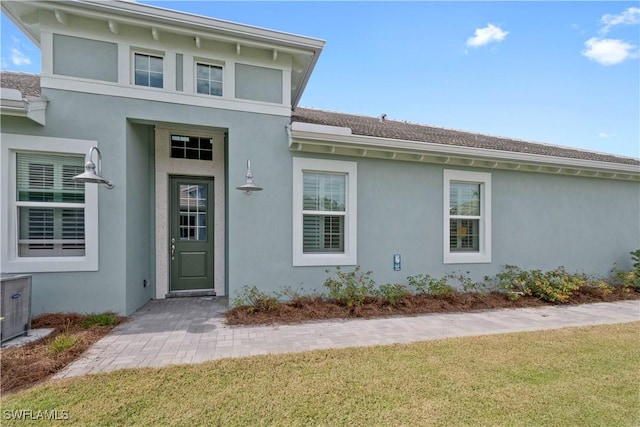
x=249 y=186
x=90 y=174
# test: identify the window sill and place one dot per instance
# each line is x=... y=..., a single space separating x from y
x=49 y=265
x=323 y=260
x=466 y=258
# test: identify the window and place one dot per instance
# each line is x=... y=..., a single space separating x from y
x=48 y=221
x=148 y=70
x=50 y=205
x=209 y=79
x=191 y=147
x=467 y=217
x=324 y=212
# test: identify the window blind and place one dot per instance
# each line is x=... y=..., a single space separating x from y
x=46 y=229
x=323 y=209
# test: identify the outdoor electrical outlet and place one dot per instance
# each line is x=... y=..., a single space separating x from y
x=144 y=283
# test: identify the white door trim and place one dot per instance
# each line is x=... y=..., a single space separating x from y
x=165 y=166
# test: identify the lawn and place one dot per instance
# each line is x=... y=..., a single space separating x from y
x=574 y=376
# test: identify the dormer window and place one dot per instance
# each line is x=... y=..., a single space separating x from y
x=209 y=79
x=148 y=70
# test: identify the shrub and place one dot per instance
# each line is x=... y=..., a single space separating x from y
x=99 y=319
x=426 y=284
x=469 y=285
x=350 y=289
x=256 y=300
x=630 y=279
x=61 y=343
x=393 y=293
x=553 y=286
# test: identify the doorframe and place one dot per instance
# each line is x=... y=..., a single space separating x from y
x=166 y=166
x=175 y=181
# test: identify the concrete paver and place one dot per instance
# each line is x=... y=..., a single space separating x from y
x=192 y=330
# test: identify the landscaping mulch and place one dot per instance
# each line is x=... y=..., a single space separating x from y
x=23 y=367
x=309 y=308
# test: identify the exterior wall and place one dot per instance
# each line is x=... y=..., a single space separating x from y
x=258 y=83
x=140 y=224
x=70 y=58
x=127 y=241
x=538 y=221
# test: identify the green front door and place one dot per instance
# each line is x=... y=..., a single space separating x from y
x=191 y=233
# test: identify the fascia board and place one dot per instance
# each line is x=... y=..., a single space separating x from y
x=145 y=15
x=370 y=142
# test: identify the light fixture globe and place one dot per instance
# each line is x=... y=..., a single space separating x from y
x=90 y=174
x=249 y=186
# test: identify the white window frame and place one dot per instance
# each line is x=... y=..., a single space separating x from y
x=149 y=53
x=350 y=169
x=484 y=253
x=10 y=262
x=211 y=64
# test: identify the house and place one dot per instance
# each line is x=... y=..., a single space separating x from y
x=176 y=104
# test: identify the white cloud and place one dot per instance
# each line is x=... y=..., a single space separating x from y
x=609 y=51
x=486 y=35
x=15 y=55
x=605 y=135
x=18 y=58
x=630 y=16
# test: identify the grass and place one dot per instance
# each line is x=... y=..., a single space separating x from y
x=574 y=376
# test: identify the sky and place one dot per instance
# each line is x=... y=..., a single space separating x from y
x=562 y=73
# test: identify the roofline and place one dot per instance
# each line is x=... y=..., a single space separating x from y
x=128 y=12
x=454 y=155
x=148 y=13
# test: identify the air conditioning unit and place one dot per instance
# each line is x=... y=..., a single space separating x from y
x=15 y=306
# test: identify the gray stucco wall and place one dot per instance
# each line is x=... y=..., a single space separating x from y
x=538 y=221
x=140 y=216
x=258 y=83
x=90 y=59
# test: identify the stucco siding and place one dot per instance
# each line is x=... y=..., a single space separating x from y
x=140 y=216
x=538 y=221
x=89 y=59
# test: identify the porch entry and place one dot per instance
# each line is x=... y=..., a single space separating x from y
x=191 y=233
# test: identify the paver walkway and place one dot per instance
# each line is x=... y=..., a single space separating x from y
x=192 y=330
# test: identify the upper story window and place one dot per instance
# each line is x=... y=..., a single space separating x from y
x=48 y=220
x=148 y=70
x=467 y=217
x=324 y=212
x=209 y=79
x=191 y=147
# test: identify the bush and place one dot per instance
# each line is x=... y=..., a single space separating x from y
x=425 y=284
x=350 y=289
x=256 y=300
x=555 y=286
x=99 y=319
x=630 y=279
x=61 y=343
x=468 y=285
x=393 y=293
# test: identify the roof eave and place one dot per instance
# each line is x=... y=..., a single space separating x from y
x=34 y=110
x=452 y=155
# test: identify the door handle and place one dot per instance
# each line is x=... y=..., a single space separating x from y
x=173 y=248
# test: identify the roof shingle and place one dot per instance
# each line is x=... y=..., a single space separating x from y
x=29 y=85
x=394 y=129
